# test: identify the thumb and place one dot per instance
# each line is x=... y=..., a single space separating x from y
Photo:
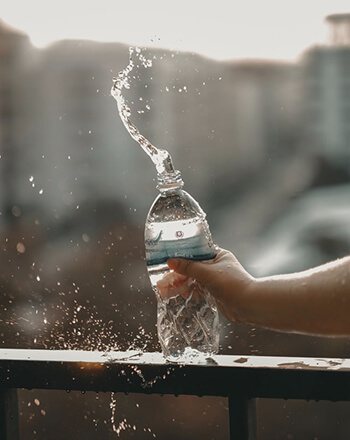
x=193 y=269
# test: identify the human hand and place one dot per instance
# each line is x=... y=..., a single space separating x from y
x=224 y=277
x=173 y=284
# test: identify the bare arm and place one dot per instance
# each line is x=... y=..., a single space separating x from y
x=315 y=301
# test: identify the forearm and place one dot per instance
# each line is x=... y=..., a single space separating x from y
x=316 y=301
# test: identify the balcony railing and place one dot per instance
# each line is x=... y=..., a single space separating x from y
x=241 y=379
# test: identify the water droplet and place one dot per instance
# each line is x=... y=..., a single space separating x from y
x=16 y=211
x=20 y=248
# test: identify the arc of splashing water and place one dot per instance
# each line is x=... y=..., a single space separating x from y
x=161 y=158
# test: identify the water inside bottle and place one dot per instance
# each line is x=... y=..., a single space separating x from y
x=186 y=313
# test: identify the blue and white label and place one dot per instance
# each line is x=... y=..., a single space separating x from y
x=158 y=251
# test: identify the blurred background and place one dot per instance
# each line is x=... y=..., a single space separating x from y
x=254 y=106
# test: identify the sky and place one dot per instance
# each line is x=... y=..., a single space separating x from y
x=221 y=29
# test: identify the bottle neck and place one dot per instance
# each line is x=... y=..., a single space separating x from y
x=169 y=181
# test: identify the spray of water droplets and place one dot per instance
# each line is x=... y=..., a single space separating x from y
x=123 y=424
x=161 y=158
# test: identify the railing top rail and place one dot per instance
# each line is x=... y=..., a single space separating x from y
x=157 y=359
x=132 y=371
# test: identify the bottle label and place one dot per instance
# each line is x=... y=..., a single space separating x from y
x=193 y=248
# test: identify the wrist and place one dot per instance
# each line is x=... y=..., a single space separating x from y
x=245 y=301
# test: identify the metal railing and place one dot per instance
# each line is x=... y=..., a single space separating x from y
x=241 y=379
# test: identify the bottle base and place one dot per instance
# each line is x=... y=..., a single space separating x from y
x=190 y=356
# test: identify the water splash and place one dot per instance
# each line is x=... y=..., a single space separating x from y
x=192 y=356
x=123 y=425
x=161 y=158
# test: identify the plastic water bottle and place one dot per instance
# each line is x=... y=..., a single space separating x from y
x=187 y=318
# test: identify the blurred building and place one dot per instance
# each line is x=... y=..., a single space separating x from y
x=73 y=147
x=13 y=48
x=339 y=29
x=326 y=104
x=242 y=132
x=72 y=144
x=265 y=148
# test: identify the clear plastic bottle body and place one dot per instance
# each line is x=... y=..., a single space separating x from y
x=176 y=227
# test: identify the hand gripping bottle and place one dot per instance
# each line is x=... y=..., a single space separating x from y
x=187 y=315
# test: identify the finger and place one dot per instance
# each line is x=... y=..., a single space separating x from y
x=181 y=286
x=194 y=269
x=171 y=279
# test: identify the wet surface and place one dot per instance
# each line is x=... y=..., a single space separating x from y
x=316 y=364
x=241 y=360
x=150 y=373
x=156 y=358
x=110 y=357
x=211 y=361
x=113 y=357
